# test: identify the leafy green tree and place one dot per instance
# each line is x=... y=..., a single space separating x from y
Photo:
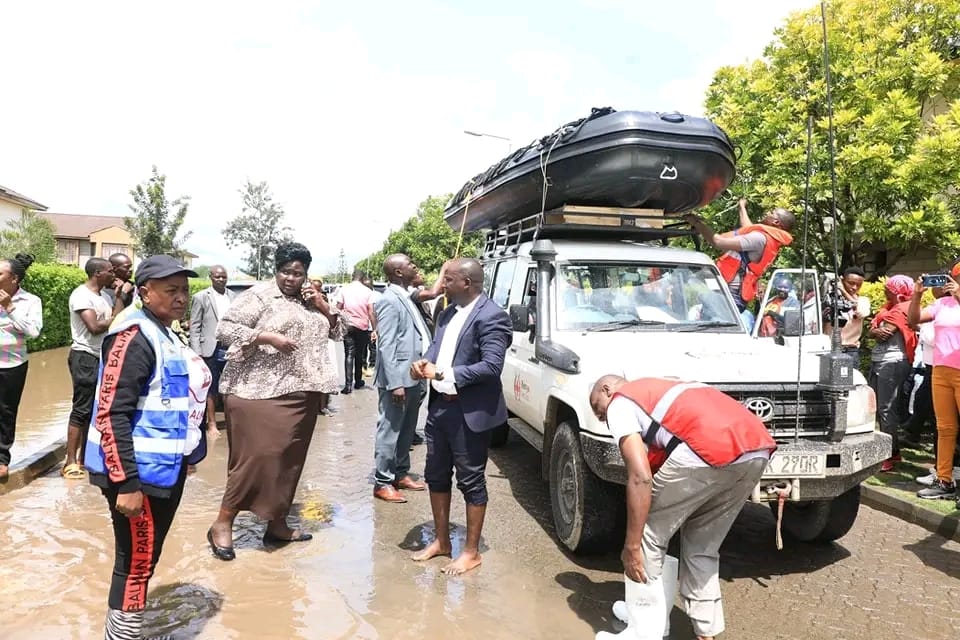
x=203 y=271
x=156 y=221
x=896 y=85
x=29 y=234
x=260 y=228
x=426 y=238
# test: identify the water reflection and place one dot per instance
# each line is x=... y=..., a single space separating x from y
x=46 y=403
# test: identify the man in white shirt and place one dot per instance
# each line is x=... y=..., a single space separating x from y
x=463 y=363
x=90 y=317
x=693 y=455
x=206 y=310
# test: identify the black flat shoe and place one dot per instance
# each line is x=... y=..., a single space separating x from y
x=222 y=553
x=269 y=538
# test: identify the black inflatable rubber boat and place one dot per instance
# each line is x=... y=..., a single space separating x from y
x=612 y=158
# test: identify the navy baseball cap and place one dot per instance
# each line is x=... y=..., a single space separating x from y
x=160 y=266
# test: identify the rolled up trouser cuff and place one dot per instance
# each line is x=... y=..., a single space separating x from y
x=706 y=616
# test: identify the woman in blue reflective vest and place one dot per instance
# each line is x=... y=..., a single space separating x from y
x=145 y=432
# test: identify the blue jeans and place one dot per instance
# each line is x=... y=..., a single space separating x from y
x=396 y=427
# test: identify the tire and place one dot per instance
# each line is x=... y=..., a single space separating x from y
x=587 y=512
x=499 y=436
x=820 y=522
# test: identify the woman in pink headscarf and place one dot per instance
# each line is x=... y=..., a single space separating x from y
x=890 y=361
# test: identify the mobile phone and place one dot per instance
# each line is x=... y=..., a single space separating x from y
x=934 y=279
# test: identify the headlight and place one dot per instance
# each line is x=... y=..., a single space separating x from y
x=861 y=409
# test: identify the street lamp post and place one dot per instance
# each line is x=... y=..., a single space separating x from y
x=477 y=134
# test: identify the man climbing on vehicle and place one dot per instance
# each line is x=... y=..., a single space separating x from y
x=749 y=251
x=693 y=455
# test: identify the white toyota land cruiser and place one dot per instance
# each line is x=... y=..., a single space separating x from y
x=595 y=295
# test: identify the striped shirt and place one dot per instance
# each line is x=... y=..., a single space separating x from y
x=25 y=321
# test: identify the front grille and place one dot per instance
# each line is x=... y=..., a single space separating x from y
x=814 y=408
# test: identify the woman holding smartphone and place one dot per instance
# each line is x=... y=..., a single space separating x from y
x=945 y=382
x=277 y=368
x=891 y=358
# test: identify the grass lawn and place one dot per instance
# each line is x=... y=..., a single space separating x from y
x=901 y=482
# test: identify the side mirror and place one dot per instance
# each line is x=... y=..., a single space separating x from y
x=792 y=322
x=520 y=317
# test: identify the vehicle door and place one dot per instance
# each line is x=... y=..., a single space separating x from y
x=792 y=305
x=524 y=387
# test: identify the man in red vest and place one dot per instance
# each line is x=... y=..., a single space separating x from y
x=749 y=250
x=693 y=455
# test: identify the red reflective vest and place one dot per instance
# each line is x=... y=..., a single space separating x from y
x=715 y=426
x=732 y=264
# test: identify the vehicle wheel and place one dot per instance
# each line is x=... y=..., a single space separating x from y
x=587 y=511
x=499 y=436
x=820 y=521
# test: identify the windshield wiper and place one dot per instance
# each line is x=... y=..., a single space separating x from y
x=623 y=324
x=702 y=326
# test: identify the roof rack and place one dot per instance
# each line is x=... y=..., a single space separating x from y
x=574 y=221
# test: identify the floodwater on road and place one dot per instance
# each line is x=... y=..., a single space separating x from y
x=45 y=406
x=887 y=579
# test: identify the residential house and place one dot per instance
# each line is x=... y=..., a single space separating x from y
x=13 y=204
x=81 y=237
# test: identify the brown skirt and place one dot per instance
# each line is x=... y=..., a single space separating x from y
x=269 y=440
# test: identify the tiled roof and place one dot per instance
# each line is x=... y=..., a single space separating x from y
x=70 y=225
x=19 y=198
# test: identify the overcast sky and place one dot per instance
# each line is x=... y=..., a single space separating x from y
x=352 y=112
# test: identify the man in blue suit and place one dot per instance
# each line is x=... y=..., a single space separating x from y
x=402 y=339
x=463 y=363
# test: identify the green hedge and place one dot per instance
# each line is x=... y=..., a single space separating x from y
x=53 y=284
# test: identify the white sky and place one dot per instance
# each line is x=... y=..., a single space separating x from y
x=353 y=115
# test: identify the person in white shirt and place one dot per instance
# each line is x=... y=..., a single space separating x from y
x=851 y=321
x=693 y=455
x=21 y=317
x=90 y=318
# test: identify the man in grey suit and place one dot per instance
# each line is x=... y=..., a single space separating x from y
x=207 y=308
x=402 y=339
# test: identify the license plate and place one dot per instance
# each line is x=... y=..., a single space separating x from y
x=796 y=465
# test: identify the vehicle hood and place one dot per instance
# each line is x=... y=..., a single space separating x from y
x=705 y=357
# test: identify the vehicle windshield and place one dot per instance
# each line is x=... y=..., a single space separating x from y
x=642 y=297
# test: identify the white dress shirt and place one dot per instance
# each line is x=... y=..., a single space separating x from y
x=417 y=318
x=221 y=301
x=448 y=349
x=25 y=321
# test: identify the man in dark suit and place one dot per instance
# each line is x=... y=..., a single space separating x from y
x=463 y=363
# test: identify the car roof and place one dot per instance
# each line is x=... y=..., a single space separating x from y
x=618 y=251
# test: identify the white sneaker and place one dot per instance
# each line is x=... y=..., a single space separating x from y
x=928 y=479
x=620 y=611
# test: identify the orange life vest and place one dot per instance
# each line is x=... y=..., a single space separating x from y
x=733 y=264
x=715 y=426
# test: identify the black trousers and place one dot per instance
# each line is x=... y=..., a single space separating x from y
x=138 y=542
x=922 y=404
x=355 y=345
x=12 y=381
x=887 y=380
x=452 y=445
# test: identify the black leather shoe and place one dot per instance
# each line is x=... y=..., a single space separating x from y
x=346 y=390
x=269 y=538
x=222 y=553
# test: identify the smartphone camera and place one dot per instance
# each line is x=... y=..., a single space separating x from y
x=934 y=280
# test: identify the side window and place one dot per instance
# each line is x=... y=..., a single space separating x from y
x=530 y=288
x=502 y=281
x=488 y=268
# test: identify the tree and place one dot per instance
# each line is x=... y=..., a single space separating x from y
x=426 y=238
x=156 y=220
x=203 y=271
x=260 y=228
x=895 y=86
x=29 y=234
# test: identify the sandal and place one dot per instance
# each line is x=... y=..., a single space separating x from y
x=301 y=536
x=73 y=472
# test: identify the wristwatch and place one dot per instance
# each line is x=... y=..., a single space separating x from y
x=438 y=374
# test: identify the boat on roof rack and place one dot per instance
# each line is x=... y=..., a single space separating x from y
x=629 y=159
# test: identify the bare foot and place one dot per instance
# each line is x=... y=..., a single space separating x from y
x=464 y=562
x=213 y=432
x=4 y=471
x=433 y=550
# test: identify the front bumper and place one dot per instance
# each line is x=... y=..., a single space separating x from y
x=849 y=462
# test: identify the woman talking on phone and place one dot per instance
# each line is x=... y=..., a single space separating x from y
x=277 y=369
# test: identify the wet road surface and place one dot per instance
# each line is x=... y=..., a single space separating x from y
x=887 y=579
